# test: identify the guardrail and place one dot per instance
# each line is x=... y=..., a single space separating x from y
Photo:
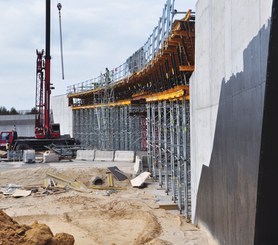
x=136 y=61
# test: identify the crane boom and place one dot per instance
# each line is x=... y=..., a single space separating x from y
x=47 y=69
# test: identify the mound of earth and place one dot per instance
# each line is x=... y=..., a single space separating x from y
x=37 y=234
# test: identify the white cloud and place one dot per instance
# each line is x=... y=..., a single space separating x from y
x=96 y=34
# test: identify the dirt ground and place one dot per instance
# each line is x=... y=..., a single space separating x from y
x=119 y=217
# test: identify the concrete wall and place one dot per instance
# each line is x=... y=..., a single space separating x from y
x=62 y=113
x=25 y=124
x=227 y=94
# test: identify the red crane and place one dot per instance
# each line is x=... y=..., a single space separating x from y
x=44 y=129
x=46 y=133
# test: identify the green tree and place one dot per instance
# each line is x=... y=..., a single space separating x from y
x=3 y=110
x=33 y=111
x=13 y=111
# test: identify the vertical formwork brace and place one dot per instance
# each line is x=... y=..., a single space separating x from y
x=148 y=122
x=159 y=144
x=178 y=156
x=166 y=169
x=172 y=152
x=153 y=144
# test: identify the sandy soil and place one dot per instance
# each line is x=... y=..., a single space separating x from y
x=129 y=216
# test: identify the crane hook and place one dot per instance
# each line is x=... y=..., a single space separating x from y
x=59 y=6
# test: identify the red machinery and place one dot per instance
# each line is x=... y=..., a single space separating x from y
x=46 y=132
x=44 y=129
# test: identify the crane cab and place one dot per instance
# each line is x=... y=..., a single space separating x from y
x=7 y=138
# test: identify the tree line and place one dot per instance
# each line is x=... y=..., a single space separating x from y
x=13 y=111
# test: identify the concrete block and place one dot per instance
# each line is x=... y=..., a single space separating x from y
x=87 y=155
x=137 y=165
x=29 y=156
x=106 y=156
x=50 y=156
x=124 y=156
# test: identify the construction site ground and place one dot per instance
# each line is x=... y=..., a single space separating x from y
x=123 y=215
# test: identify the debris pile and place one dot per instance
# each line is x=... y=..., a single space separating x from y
x=39 y=182
x=37 y=234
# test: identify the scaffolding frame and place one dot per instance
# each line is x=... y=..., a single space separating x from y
x=168 y=149
x=109 y=128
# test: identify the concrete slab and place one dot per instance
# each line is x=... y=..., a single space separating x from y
x=124 y=156
x=104 y=156
x=140 y=179
x=87 y=155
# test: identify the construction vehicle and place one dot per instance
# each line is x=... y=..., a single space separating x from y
x=46 y=133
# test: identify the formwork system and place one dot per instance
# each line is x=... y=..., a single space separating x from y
x=168 y=148
x=110 y=128
x=146 y=108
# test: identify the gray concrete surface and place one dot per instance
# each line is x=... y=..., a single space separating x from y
x=62 y=113
x=227 y=100
x=25 y=124
x=65 y=164
x=223 y=31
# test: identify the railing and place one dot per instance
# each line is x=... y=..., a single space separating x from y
x=138 y=60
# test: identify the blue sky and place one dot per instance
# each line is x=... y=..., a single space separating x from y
x=96 y=35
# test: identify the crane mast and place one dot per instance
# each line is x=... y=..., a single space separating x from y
x=43 y=127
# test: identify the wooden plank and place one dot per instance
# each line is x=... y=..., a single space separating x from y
x=186 y=68
x=117 y=173
x=106 y=188
x=172 y=206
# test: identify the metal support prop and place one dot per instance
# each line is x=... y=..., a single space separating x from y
x=148 y=122
x=131 y=130
x=74 y=123
x=121 y=136
x=166 y=169
x=115 y=129
x=179 y=187
x=143 y=124
x=85 y=118
x=90 y=111
x=113 y=126
x=159 y=144
x=184 y=139
x=153 y=140
x=172 y=153
x=126 y=127
x=96 y=131
x=82 y=126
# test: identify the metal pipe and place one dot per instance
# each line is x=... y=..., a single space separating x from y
x=149 y=136
x=178 y=156
x=166 y=174
x=159 y=145
x=172 y=141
